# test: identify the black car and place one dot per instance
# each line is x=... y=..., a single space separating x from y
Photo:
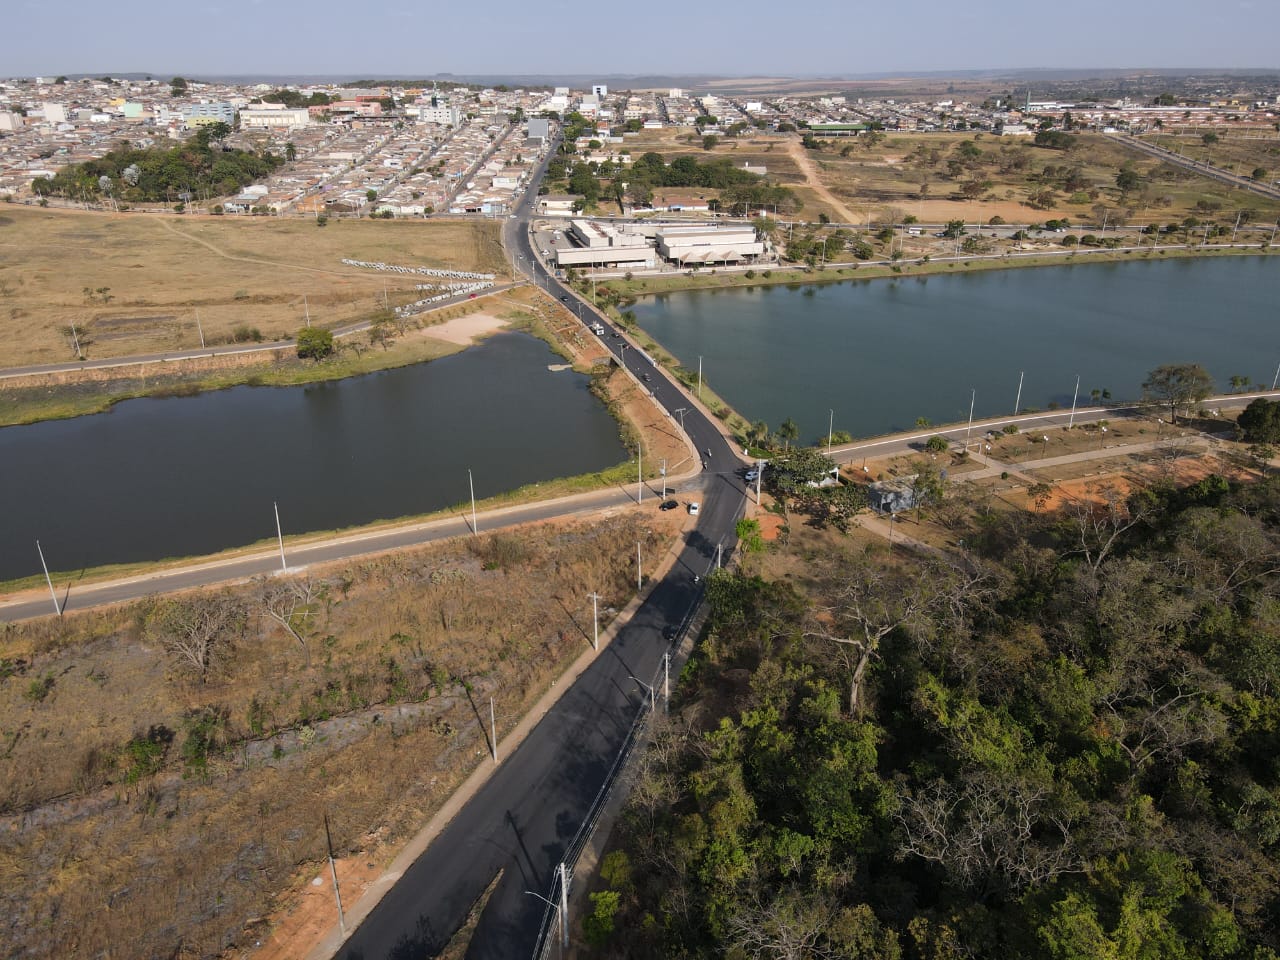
x=669 y=505
x=646 y=378
x=564 y=299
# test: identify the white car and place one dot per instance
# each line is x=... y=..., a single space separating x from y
x=693 y=508
x=750 y=475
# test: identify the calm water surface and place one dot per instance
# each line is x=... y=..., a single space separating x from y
x=881 y=353
x=155 y=478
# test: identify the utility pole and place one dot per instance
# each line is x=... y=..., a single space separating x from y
x=472 y=484
x=493 y=730
x=1018 y=402
x=279 y=536
x=564 y=906
x=1276 y=378
x=759 y=475
x=639 y=581
x=831 y=419
x=664 y=478
x=639 y=474
x=973 y=395
x=200 y=329
x=666 y=682
x=333 y=872
x=49 y=580
x=1074 y=397
x=76 y=337
x=699 y=378
x=306 y=310
x=595 y=620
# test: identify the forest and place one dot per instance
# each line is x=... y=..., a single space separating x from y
x=1059 y=741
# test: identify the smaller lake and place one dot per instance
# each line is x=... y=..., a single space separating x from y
x=881 y=353
x=155 y=478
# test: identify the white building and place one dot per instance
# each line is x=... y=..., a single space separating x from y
x=600 y=90
x=602 y=245
x=690 y=245
x=10 y=121
x=266 y=115
x=444 y=115
x=55 y=113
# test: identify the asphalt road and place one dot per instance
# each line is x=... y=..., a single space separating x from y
x=521 y=821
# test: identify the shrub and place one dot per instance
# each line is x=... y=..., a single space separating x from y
x=246 y=334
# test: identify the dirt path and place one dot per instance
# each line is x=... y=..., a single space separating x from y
x=269 y=263
x=798 y=153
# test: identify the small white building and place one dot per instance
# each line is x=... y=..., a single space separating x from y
x=265 y=116
x=699 y=245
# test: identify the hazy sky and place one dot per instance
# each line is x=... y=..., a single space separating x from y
x=736 y=37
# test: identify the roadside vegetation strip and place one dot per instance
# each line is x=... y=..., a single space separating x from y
x=306 y=698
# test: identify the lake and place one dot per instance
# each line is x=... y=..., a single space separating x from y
x=155 y=478
x=883 y=352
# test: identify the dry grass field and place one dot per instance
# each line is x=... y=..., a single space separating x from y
x=132 y=283
x=165 y=767
x=907 y=174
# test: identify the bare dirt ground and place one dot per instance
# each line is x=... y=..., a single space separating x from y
x=814 y=182
x=467 y=330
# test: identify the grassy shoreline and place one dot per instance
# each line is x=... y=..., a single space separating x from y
x=832 y=273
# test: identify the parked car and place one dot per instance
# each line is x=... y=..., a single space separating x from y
x=751 y=475
x=693 y=507
x=668 y=505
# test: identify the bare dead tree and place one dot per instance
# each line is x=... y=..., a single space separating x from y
x=192 y=628
x=993 y=832
x=290 y=603
x=867 y=602
x=1099 y=523
x=789 y=927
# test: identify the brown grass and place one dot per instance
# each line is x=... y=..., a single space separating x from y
x=159 y=270
x=376 y=732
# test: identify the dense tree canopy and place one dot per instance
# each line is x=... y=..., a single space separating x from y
x=1062 y=744
x=197 y=167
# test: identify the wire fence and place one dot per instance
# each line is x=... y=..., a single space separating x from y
x=548 y=932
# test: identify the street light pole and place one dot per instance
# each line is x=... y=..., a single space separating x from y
x=664 y=478
x=639 y=581
x=831 y=419
x=1074 y=397
x=1017 y=404
x=472 y=484
x=595 y=620
x=666 y=682
x=973 y=395
x=639 y=474
x=279 y=536
x=699 y=378
x=493 y=730
x=49 y=580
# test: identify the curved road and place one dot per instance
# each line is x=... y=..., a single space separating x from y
x=521 y=820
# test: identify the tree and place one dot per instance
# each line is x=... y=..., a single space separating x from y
x=192 y=629
x=290 y=603
x=709 y=141
x=290 y=152
x=1259 y=173
x=1178 y=385
x=954 y=229
x=177 y=86
x=937 y=444
x=1209 y=139
x=1128 y=180
x=315 y=343
x=1259 y=422
x=788 y=431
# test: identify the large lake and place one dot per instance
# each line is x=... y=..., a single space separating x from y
x=157 y=478
x=881 y=353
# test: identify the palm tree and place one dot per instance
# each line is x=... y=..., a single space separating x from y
x=788 y=431
x=758 y=433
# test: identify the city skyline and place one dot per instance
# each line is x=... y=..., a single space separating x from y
x=833 y=38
